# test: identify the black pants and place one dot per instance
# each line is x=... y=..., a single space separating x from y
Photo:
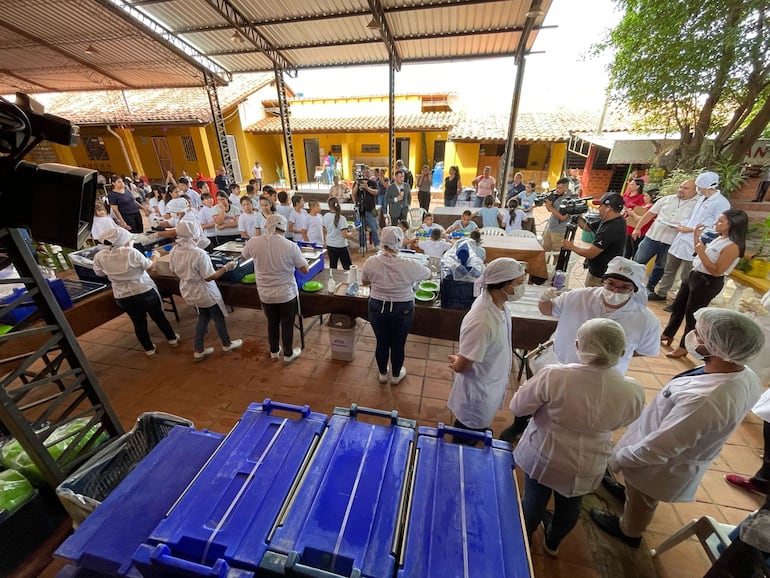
x=423 y=197
x=762 y=477
x=339 y=254
x=222 y=239
x=462 y=440
x=134 y=220
x=762 y=191
x=280 y=324
x=138 y=307
x=697 y=293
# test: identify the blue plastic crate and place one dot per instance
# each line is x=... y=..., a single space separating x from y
x=224 y=518
x=316 y=268
x=27 y=308
x=345 y=517
x=106 y=540
x=464 y=511
x=456 y=294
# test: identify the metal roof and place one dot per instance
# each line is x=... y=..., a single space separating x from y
x=62 y=45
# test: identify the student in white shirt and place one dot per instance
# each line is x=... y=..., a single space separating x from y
x=102 y=223
x=266 y=209
x=206 y=218
x=298 y=219
x=247 y=222
x=514 y=217
x=315 y=224
x=284 y=208
x=337 y=232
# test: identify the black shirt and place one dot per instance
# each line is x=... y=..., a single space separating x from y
x=611 y=238
x=370 y=200
x=124 y=201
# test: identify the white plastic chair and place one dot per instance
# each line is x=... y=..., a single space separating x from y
x=493 y=231
x=711 y=534
x=415 y=217
x=552 y=257
x=521 y=233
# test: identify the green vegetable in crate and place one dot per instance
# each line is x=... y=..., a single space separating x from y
x=13 y=456
x=14 y=491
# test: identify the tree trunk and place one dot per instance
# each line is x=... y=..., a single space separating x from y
x=736 y=150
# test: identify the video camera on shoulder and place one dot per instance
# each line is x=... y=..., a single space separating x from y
x=541 y=198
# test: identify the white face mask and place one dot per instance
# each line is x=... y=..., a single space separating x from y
x=614 y=299
x=691 y=343
x=518 y=293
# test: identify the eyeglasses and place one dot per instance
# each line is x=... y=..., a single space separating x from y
x=612 y=286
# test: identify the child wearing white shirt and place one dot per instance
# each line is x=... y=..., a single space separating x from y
x=298 y=219
x=315 y=224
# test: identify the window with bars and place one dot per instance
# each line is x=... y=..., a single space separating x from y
x=95 y=148
x=189 y=149
x=336 y=149
x=370 y=149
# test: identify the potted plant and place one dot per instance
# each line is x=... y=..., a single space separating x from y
x=758 y=241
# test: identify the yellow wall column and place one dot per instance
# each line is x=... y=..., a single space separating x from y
x=558 y=153
x=65 y=155
x=206 y=163
x=133 y=154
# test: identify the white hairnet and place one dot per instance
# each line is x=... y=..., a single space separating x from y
x=728 y=334
x=188 y=230
x=117 y=237
x=177 y=206
x=601 y=342
x=275 y=223
x=499 y=270
x=392 y=238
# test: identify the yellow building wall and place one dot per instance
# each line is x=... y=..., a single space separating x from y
x=464 y=155
x=267 y=150
x=558 y=154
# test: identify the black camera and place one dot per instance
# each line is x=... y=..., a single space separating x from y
x=573 y=206
x=541 y=198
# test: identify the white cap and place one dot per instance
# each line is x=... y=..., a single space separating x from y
x=177 y=206
x=628 y=269
x=707 y=180
x=188 y=229
x=499 y=270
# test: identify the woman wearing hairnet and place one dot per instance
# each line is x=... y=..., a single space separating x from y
x=483 y=365
x=196 y=284
x=576 y=407
x=391 y=302
x=665 y=453
x=135 y=292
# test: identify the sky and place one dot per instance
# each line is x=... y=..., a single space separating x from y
x=564 y=75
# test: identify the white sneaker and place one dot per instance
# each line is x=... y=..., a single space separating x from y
x=151 y=352
x=383 y=377
x=234 y=344
x=395 y=380
x=201 y=355
x=294 y=355
x=174 y=342
x=275 y=356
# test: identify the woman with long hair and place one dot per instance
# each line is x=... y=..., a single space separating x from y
x=424 y=182
x=336 y=233
x=713 y=261
x=452 y=186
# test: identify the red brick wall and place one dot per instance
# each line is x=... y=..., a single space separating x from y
x=597 y=184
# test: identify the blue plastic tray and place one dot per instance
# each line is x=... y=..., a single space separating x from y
x=225 y=516
x=344 y=520
x=464 y=517
x=106 y=540
x=316 y=268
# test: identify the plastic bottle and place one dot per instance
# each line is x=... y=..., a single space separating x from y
x=558 y=280
x=331 y=286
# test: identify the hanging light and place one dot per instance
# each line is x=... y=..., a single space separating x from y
x=373 y=25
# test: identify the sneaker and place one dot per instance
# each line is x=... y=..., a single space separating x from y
x=383 y=377
x=669 y=308
x=151 y=352
x=395 y=380
x=610 y=523
x=294 y=355
x=234 y=344
x=201 y=355
x=275 y=356
x=654 y=297
x=547 y=518
x=174 y=342
x=744 y=483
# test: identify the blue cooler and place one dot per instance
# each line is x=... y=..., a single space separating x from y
x=345 y=517
x=104 y=543
x=237 y=274
x=221 y=524
x=464 y=511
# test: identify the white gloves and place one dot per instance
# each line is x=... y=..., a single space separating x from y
x=231 y=265
x=549 y=294
x=156 y=254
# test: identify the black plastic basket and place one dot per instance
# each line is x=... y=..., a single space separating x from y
x=92 y=483
x=456 y=294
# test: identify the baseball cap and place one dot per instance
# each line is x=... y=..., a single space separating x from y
x=613 y=200
x=276 y=222
x=626 y=270
x=707 y=180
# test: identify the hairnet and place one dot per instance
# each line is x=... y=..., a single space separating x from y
x=177 y=206
x=499 y=270
x=275 y=223
x=601 y=342
x=392 y=238
x=188 y=230
x=632 y=272
x=117 y=237
x=728 y=334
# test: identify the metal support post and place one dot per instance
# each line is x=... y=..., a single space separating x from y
x=285 y=113
x=512 y=128
x=391 y=116
x=219 y=124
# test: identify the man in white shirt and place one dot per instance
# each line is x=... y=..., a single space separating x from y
x=708 y=207
x=668 y=212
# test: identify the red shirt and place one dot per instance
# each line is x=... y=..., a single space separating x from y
x=631 y=201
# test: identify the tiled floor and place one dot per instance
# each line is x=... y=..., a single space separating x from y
x=215 y=392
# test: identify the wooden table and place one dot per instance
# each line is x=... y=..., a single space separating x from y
x=520 y=248
x=761 y=286
x=445 y=216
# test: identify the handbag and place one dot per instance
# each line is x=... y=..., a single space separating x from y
x=541 y=356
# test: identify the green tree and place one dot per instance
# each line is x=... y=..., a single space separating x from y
x=699 y=68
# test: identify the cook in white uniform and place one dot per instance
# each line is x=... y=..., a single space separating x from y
x=275 y=259
x=665 y=453
x=483 y=365
x=196 y=284
x=576 y=407
x=135 y=292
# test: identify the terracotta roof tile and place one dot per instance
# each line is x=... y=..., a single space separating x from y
x=423 y=121
x=152 y=105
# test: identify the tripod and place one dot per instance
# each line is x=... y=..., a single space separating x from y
x=362 y=229
x=569 y=235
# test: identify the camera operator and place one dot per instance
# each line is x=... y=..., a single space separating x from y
x=557 y=222
x=367 y=201
x=609 y=242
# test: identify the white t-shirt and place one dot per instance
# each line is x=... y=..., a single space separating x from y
x=705 y=212
x=713 y=250
x=206 y=217
x=126 y=268
x=230 y=218
x=485 y=339
x=101 y=225
x=297 y=223
x=248 y=224
x=334 y=237
x=275 y=259
x=257 y=172
x=286 y=211
x=315 y=229
x=391 y=278
x=434 y=248
x=515 y=224
x=234 y=199
x=671 y=211
x=193 y=265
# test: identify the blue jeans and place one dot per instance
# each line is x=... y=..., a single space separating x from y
x=206 y=314
x=646 y=251
x=391 y=322
x=478 y=201
x=450 y=201
x=566 y=511
x=372 y=223
x=380 y=199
